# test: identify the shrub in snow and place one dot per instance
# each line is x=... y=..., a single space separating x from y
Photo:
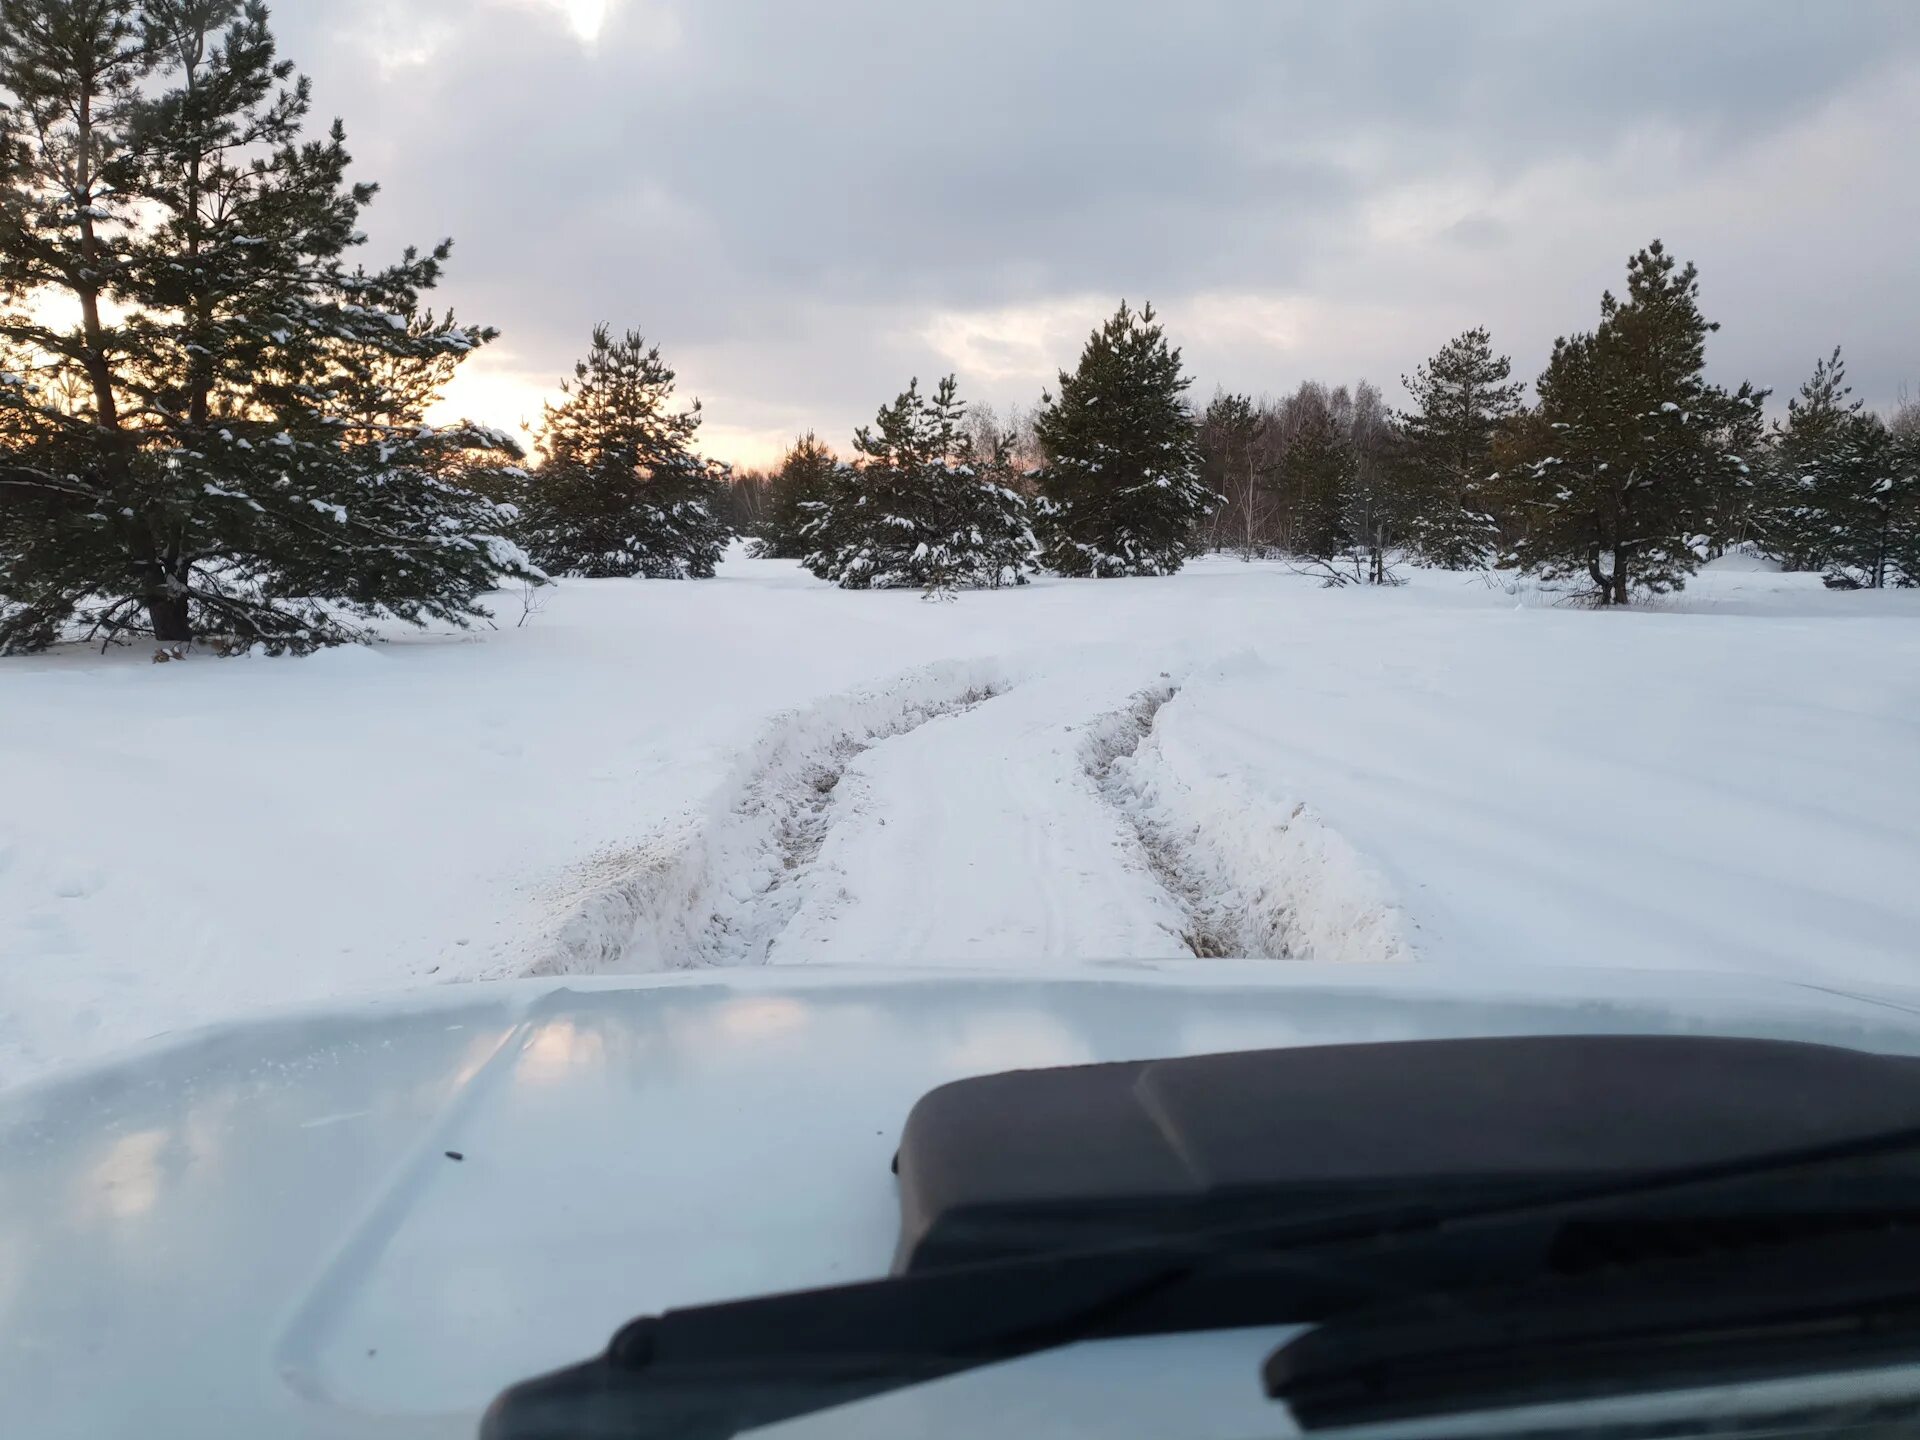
x=620 y=491
x=245 y=455
x=1122 y=472
x=920 y=507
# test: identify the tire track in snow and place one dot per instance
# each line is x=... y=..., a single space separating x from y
x=719 y=888
x=1117 y=737
x=1220 y=867
x=976 y=840
x=1254 y=882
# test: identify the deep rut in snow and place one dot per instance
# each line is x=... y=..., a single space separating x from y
x=1111 y=741
x=1236 y=867
x=719 y=888
x=1256 y=876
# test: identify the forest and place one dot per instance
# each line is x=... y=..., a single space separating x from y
x=213 y=413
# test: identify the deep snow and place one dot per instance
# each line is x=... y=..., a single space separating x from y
x=764 y=769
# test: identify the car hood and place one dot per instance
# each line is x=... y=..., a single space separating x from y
x=368 y=1220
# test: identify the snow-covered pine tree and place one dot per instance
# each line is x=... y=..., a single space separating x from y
x=919 y=508
x=804 y=478
x=1462 y=398
x=1121 y=476
x=1904 y=495
x=619 y=490
x=219 y=420
x=1796 y=509
x=1871 y=503
x=1645 y=454
x=1003 y=520
x=1840 y=493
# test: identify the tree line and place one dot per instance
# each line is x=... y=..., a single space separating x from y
x=213 y=415
x=938 y=497
x=1626 y=473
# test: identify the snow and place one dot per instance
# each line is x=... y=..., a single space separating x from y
x=1743 y=562
x=764 y=769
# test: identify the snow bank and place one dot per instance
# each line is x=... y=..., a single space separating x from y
x=1742 y=560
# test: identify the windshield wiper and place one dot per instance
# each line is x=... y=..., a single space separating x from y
x=1814 y=1306
x=715 y=1370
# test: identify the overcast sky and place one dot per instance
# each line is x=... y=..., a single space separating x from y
x=806 y=202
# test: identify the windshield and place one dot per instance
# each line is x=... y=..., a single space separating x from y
x=599 y=596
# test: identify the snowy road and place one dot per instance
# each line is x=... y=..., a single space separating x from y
x=980 y=836
x=977 y=813
x=765 y=769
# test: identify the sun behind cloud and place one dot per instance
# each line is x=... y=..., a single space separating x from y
x=587 y=17
x=653 y=22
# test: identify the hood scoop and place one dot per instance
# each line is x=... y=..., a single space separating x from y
x=1043 y=1161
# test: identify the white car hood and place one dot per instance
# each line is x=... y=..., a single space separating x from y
x=260 y=1229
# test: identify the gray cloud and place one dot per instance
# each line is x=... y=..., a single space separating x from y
x=805 y=203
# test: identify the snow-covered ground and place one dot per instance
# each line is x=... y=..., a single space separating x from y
x=762 y=769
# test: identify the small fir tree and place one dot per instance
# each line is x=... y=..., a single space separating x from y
x=919 y=508
x=1841 y=493
x=804 y=479
x=1121 y=475
x=1003 y=521
x=619 y=490
x=1865 y=491
x=1462 y=398
x=1904 y=543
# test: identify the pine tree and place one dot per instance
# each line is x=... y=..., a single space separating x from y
x=1904 y=542
x=1121 y=478
x=1461 y=400
x=1003 y=521
x=619 y=490
x=1645 y=454
x=919 y=507
x=804 y=479
x=242 y=455
x=1378 y=504
x=1318 y=472
x=1903 y=498
x=1841 y=494
x=1873 y=501
x=1793 y=518
x=1860 y=493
